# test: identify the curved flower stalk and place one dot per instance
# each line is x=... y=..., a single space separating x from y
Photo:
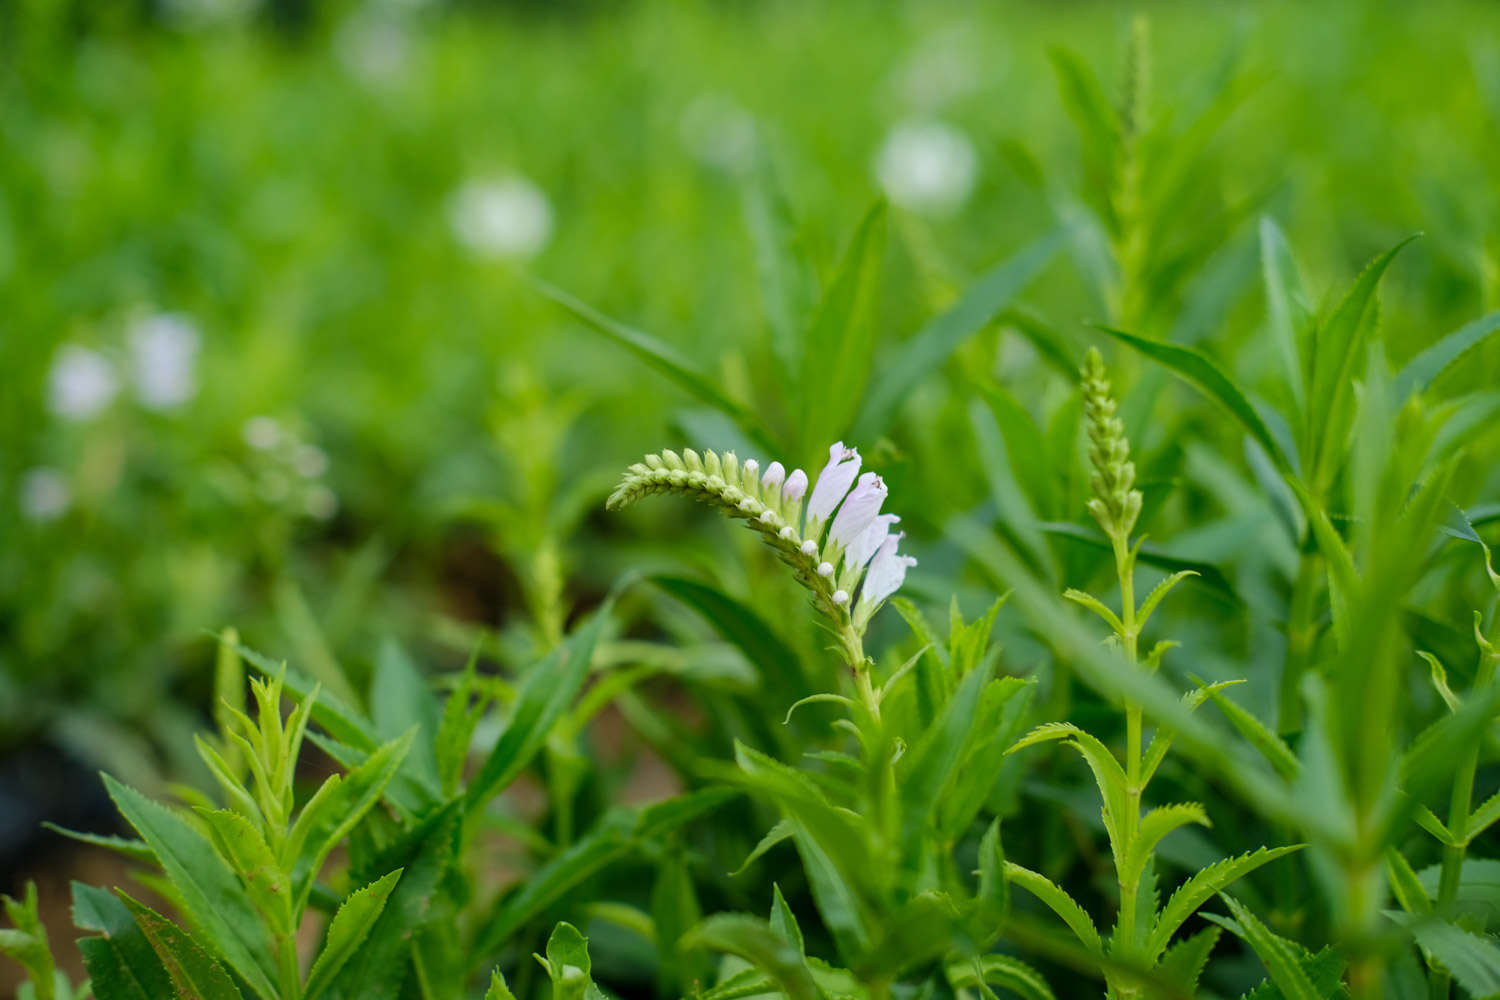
x=838 y=543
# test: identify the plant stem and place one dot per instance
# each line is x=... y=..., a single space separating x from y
x=1301 y=636
x=1125 y=568
x=1459 y=803
x=854 y=651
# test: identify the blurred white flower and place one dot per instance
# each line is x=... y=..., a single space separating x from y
x=261 y=433
x=373 y=47
x=207 y=13
x=45 y=494
x=82 y=382
x=507 y=217
x=321 y=503
x=944 y=66
x=718 y=132
x=927 y=166
x=164 y=352
x=311 y=461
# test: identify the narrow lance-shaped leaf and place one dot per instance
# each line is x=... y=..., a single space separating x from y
x=1201 y=373
x=664 y=359
x=929 y=347
x=195 y=974
x=350 y=927
x=212 y=893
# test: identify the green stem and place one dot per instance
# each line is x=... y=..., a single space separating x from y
x=1460 y=803
x=1125 y=568
x=1301 y=636
x=854 y=651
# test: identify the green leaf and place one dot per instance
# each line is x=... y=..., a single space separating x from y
x=213 y=895
x=839 y=344
x=1478 y=889
x=377 y=969
x=664 y=359
x=342 y=722
x=618 y=833
x=1108 y=774
x=195 y=974
x=27 y=942
x=1097 y=606
x=1260 y=736
x=499 y=989
x=1059 y=902
x=778 y=833
x=549 y=688
x=1202 y=887
x=568 y=964
x=1005 y=971
x=241 y=844
x=1405 y=885
x=401 y=699
x=1473 y=959
x=787 y=283
x=350 y=927
x=1421 y=371
x=742 y=627
x=834 y=845
x=335 y=810
x=1210 y=574
x=608 y=840
x=1153 y=826
x=994 y=888
x=122 y=964
x=754 y=941
x=934 y=763
x=1290 y=317
x=1184 y=962
x=1201 y=373
x=926 y=350
x=1283 y=959
x=1337 y=346
x=136 y=850
x=1161 y=740
x=783 y=924
x=1158 y=592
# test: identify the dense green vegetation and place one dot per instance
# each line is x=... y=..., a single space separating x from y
x=341 y=323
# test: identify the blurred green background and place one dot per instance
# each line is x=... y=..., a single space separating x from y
x=273 y=356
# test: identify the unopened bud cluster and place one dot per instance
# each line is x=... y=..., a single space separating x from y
x=1116 y=504
x=836 y=539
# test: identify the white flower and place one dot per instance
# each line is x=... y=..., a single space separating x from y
x=718 y=132
x=261 y=433
x=321 y=503
x=775 y=474
x=858 y=511
x=887 y=573
x=868 y=542
x=311 y=461
x=164 y=354
x=833 y=482
x=82 y=383
x=796 y=485
x=44 y=494
x=927 y=166
x=373 y=47
x=509 y=217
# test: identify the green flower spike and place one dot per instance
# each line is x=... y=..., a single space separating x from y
x=1116 y=504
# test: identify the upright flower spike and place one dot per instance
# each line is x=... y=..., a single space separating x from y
x=859 y=544
x=1116 y=504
